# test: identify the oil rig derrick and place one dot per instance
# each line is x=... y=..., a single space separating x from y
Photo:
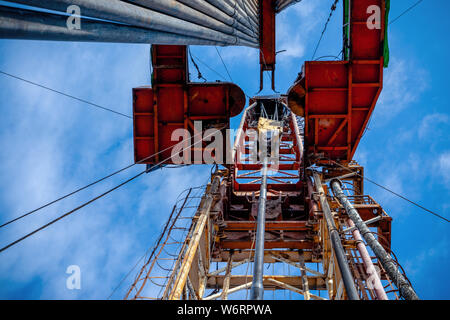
x=308 y=226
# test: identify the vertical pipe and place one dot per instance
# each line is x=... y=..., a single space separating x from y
x=374 y=280
x=166 y=229
x=226 y=281
x=338 y=248
x=386 y=260
x=305 y=284
x=237 y=141
x=257 y=291
x=297 y=133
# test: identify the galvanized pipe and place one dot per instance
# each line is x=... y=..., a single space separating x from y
x=257 y=290
x=373 y=280
x=235 y=4
x=31 y=25
x=248 y=6
x=203 y=215
x=386 y=260
x=338 y=248
x=253 y=3
x=183 y=12
x=129 y=14
x=298 y=137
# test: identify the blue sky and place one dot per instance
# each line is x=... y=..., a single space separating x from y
x=52 y=145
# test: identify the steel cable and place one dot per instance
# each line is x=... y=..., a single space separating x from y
x=67 y=95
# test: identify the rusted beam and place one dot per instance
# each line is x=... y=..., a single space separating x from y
x=306 y=292
x=203 y=215
x=314 y=283
x=270 y=225
x=226 y=283
x=373 y=280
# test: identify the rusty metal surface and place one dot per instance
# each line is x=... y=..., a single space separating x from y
x=337 y=98
x=172 y=102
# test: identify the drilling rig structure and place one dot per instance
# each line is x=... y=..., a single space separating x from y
x=289 y=193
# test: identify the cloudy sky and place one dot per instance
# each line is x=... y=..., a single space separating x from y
x=51 y=145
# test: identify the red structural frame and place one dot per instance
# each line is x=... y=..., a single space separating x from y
x=175 y=103
x=340 y=95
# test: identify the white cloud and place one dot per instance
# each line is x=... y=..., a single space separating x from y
x=430 y=123
x=444 y=166
x=52 y=145
x=401 y=88
x=293 y=37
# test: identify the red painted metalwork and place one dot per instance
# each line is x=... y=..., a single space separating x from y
x=174 y=103
x=267 y=39
x=337 y=97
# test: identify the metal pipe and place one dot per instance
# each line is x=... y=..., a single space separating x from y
x=386 y=260
x=283 y=4
x=129 y=14
x=230 y=291
x=184 y=12
x=254 y=4
x=373 y=281
x=247 y=6
x=313 y=207
x=297 y=136
x=257 y=290
x=305 y=284
x=216 y=12
x=237 y=141
x=31 y=25
x=338 y=248
x=232 y=13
